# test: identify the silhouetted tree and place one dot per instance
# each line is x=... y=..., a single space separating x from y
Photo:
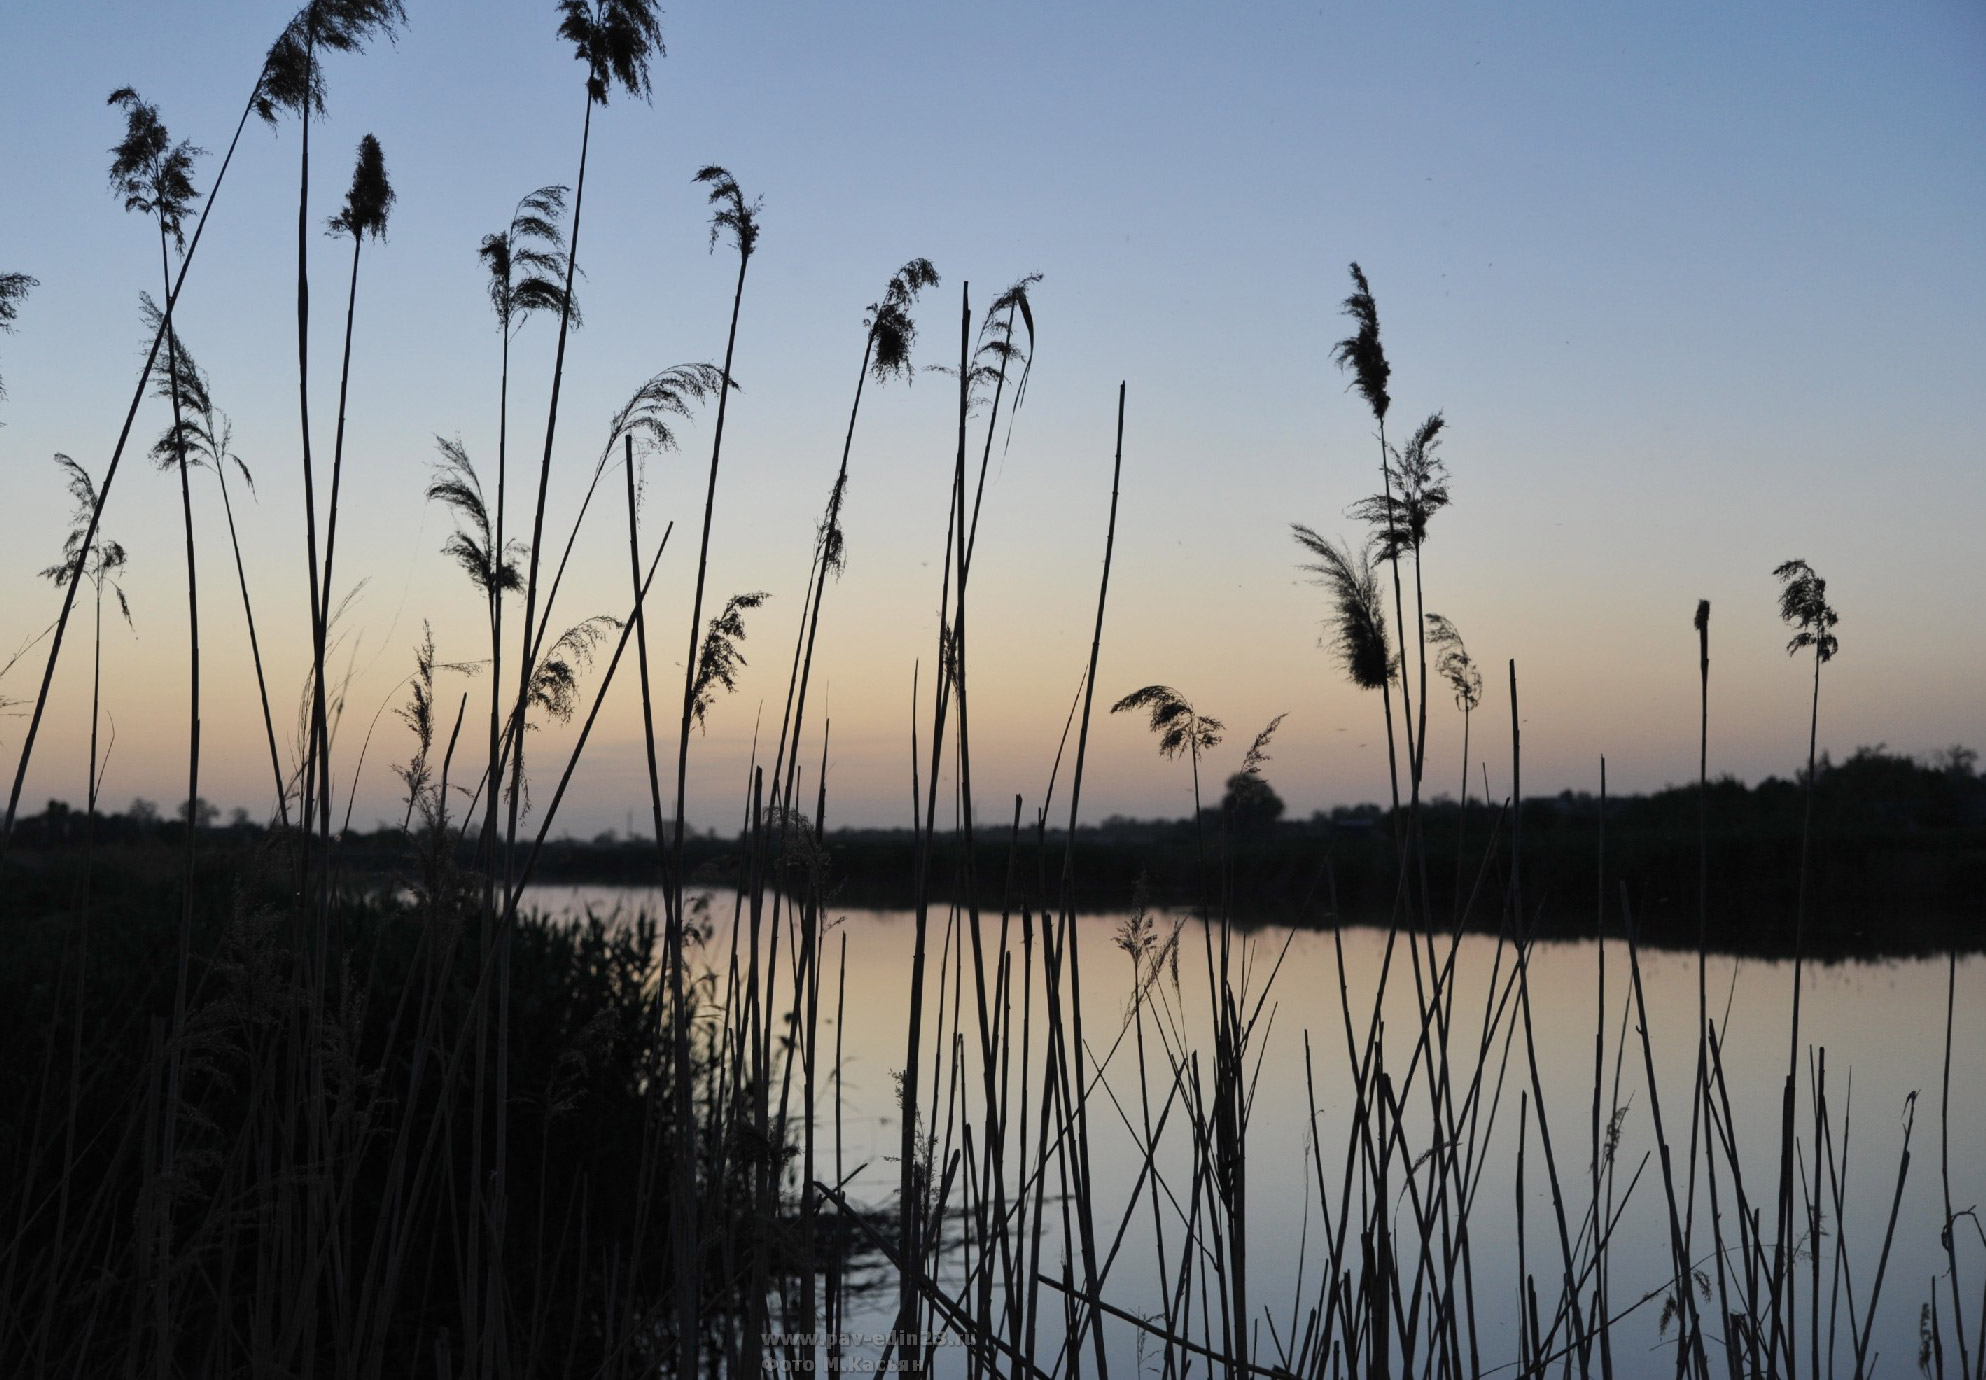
x=1250 y=804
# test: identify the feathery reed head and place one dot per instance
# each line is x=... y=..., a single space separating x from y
x=833 y=545
x=555 y=683
x=1179 y=727
x=1803 y=603
x=891 y=330
x=13 y=287
x=1258 y=751
x=733 y=212
x=717 y=664
x=996 y=333
x=645 y=416
x=1455 y=664
x=1358 y=622
x=1399 y=518
x=197 y=434
x=105 y=559
x=370 y=197
x=1361 y=351
x=616 y=39
x=418 y=712
x=527 y=262
x=153 y=174
x=454 y=484
x=292 y=78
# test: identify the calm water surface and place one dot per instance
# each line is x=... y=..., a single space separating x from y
x=1881 y=1026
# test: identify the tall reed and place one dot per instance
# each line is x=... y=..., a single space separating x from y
x=1803 y=605
x=368 y=203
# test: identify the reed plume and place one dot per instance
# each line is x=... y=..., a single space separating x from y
x=997 y=356
x=1357 y=626
x=13 y=287
x=104 y=561
x=1180 y=728
x=418 y=714
x=1399 y=520
x=1464 y=677
x=454 y=484
x=1258 y=750
x=645 y=422
x=717 y=665
x=1361 y=351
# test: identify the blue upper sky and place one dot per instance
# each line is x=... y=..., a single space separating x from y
x=1698 y=287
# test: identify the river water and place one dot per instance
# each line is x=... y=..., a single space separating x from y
x=1879 y=1026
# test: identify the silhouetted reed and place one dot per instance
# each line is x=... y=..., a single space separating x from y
x=345 y=1131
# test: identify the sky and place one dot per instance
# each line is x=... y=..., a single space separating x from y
x=1698 y=288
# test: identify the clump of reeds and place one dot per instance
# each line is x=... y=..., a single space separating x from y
x=376 y=1136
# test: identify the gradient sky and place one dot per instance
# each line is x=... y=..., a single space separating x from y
x=1699 y=288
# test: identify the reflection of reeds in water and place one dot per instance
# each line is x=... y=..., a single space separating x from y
x=343 y=1134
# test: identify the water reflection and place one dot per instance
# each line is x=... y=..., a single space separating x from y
x=1878 y=1026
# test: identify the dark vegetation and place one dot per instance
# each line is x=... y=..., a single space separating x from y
x=1900 y=858
x=281 y=1099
